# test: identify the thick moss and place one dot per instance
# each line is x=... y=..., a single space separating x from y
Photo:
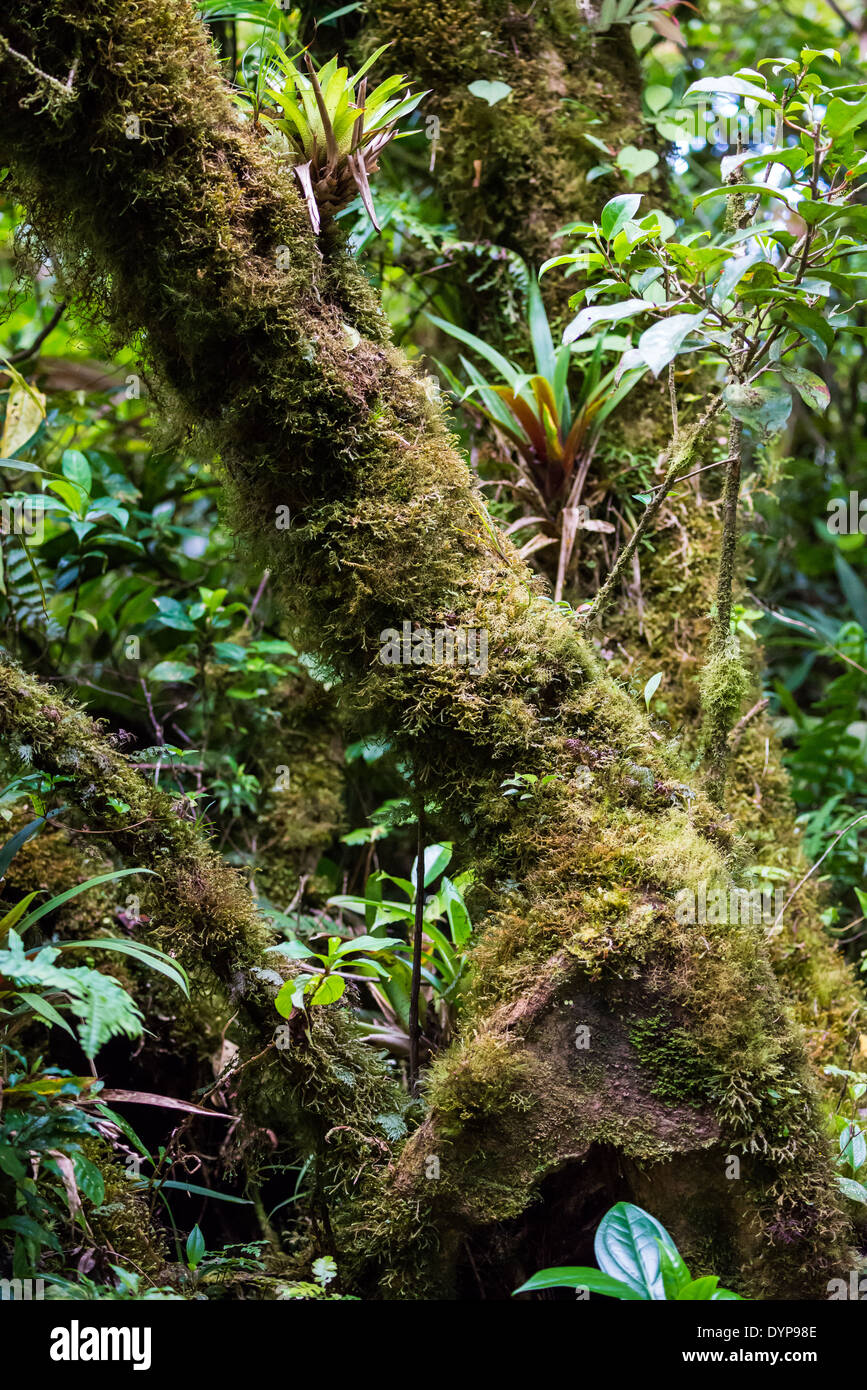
x=515 y=173
x=172 y=240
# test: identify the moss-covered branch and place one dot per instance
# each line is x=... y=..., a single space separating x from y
x=173 y=240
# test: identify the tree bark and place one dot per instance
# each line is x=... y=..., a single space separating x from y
x=174 y=240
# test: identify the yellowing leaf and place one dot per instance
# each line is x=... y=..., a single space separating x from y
x=25 y=411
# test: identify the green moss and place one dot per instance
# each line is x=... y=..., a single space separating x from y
x=670 y=1054
x=173 y=243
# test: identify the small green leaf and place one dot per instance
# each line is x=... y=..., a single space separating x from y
x=195 y=1248
x=811 y=388
x=636 y=162
x=651 y=688
x=331 y=988
x=76 y=468
x=491 y=92
x=618 y=212
x=699 y=1289
x=657 y=97
x=176 y=671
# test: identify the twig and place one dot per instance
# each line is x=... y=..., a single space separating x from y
x=683 y=456
x=740 y=727
x=776 y=928
x=64 y=90
x=24 y=353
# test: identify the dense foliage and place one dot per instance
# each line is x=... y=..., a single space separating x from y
x=686 y=363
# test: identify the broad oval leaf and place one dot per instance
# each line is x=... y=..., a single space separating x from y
x=764 y=408
x=810 y=388
x=604 y=313
x=660 y=343
x=731 y=87
x=491 y=92
x=330 y=989
x=618 y=212
x=626 y=1248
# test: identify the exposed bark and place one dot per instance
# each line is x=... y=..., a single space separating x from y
x=173 y=240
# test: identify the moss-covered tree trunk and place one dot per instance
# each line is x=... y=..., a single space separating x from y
x=609 y=1049
x=515 y=174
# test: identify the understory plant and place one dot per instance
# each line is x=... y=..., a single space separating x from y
x=551 y=424
x=748 y=296
x=638 y=1261
x=51 y=1118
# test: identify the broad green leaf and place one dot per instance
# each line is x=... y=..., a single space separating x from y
x=814 y=327
x=195 y=1248
x=456 y=911
x=856 y=1191
x=732 y=274
x=618 y=212
x=675 y=1275
x=331 y=988
x=660 y=343
x=699 y=1289
x=636 y=162
x=731 y=87
x=76 y=468
x=436 y=858
x=368 y=943
x=177 y=671
x=811 y=388
x=843 y=116
x=853 y=1146
x=761 y=189
x=764 y=409
x=657 y=97
x=579 y=1277
x=605 y=313
x=626 y=1248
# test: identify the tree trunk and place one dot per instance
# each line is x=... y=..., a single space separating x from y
x=177 y=240
x=514 y=175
